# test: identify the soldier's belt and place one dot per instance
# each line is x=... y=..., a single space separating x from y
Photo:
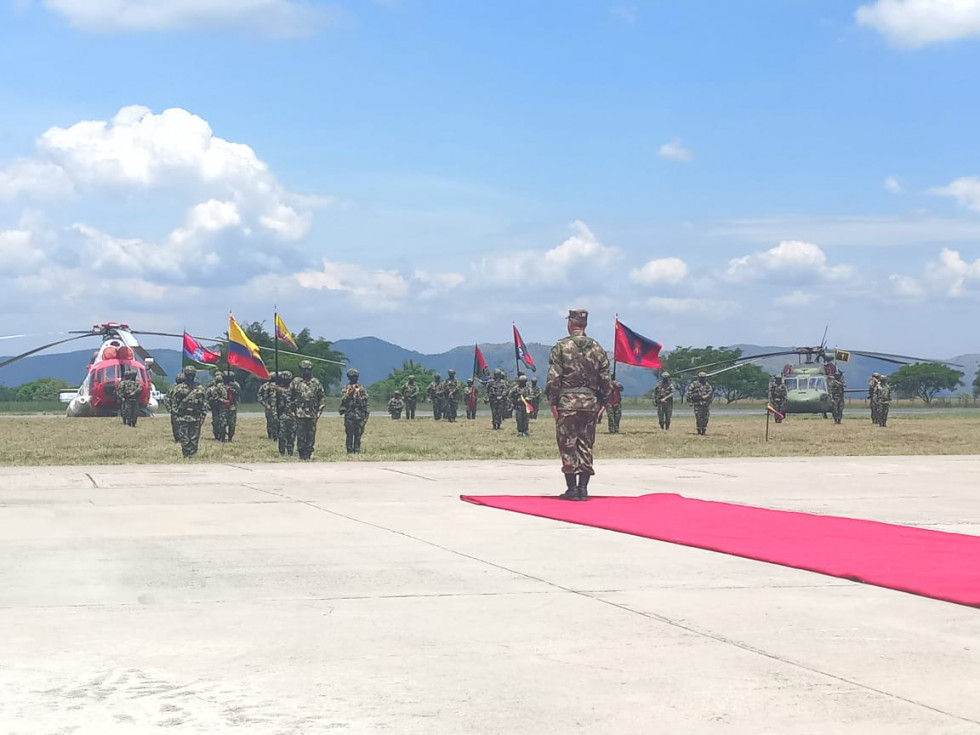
x=581 y=390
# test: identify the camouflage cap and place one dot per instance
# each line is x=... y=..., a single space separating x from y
x=579 y=317
x=353 y=372
x=411 y=377
x=779 y=378
x=284 y=375
x=498 y=371
x=219 y=378
x=469 y=380
x=875 y=375
x=305 y=365
x=190 y=371
x=451 y=371
x=522 y=378
x=534 y=379
x=702 y=374
x=398 y=392
x=664 y=374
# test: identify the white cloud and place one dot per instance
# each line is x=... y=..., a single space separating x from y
x=893 y=185
x=917 y=23
x=674 y=151
x=906 y=286
x=276 y=18
x=663 y=270
x=371 y=290
x=436 y=284
x=700 y=307
x=581 y=249
x=794 y=300
x=790 y=261
x=952 y=274
x=965 y=190
x=34 y=178
x=19 y=252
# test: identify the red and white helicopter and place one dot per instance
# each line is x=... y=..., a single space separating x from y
x=118 y=353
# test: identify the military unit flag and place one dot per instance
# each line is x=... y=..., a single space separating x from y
x=283 y=334
x=244 y=353
x=480 y=369
x=520 y=349
x=197 y=353
x=772 y=410
x=635 y=349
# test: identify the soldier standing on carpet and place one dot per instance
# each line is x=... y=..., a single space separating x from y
x=578 y=386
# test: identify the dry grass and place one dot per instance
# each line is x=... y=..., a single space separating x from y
x=59 y=441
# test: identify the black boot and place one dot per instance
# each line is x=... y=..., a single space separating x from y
x=583 y=486
x=571 y=491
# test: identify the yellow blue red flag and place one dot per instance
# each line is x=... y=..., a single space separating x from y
x=243 y=352
x=283 y=334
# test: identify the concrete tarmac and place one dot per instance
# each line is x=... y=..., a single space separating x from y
x=364 y=597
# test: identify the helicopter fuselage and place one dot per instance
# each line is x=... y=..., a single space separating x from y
x=806 y=390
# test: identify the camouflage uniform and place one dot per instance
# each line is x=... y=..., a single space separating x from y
x=496 y=396
x=699 y=395
x=286 y=431
x=437 y=394
x=267 y=397
x=519 y=394
x=170 y=405
x=535 y=397
x=663 y=399
x=410 y=394
x=307 y=398
x=469 y=398
x=354 y=409
x=396 y=405
x=883 y=397
x=451 y=396
x=128 y=394
x=191 y=406
x=614 y=411
x=215 y=394
x=835 y=387
x=233 y=394
x=578 y=386
x=777 y=396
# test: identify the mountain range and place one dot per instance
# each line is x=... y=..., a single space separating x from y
x=376 y=358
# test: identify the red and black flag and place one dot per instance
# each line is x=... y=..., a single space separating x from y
x=480 y=369
x=520 y=349
x=635 y=349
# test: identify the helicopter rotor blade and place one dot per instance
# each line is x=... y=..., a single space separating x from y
x=737 y=361
x=282 y=352
x=900 y=359
x=44 y=347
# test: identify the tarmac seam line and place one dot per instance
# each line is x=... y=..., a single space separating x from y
x=651 y=616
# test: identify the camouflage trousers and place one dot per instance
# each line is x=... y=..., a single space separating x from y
x=837 y=409
x=450 y=409
x=173 y=426
x=438 y=409
x=497 y=413
x=523 y=420
x=189 y=435
x=286 y=434
x=129 y=412
x=271 y=423
x=875 y=411
x=781 y=407
x=231 y=423
x=410 y=408
x=701 y=414
x=396 y=413
x=664 y=412
x=575 y=432
x=218 y=423
x=305 y=437
x=536 y=405
x=882 y=414
x=354 y=428
x=613 y=416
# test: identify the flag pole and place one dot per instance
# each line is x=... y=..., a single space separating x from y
x=517 y=360
x=275 y=335
x=614 y=347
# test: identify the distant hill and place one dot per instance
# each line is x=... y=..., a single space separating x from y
x=376 y=358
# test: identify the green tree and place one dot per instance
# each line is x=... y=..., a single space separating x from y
x=384 y=389
x=976 y=385
x=745 y=381
x=7 y=394
x=683 y=363
x=160 y=383
x=924 y=380
x=42 y=389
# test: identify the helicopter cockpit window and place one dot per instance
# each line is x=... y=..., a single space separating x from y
x=790 y=383
x=819 y=383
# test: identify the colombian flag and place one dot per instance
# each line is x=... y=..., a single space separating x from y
x=244 y=353
x=635 y=349
x=283 y=334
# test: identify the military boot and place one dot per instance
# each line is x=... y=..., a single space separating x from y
x=583 y=486
x=571 y=492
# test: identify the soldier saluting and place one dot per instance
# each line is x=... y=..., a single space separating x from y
x=578 y=386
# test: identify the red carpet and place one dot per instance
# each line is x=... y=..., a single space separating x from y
x=936 y=564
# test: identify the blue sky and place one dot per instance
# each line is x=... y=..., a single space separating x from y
x=429 y=172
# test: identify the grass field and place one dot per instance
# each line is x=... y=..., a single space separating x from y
x=49 y=440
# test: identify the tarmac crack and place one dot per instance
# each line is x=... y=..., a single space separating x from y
x=92 y=480
x=748 y=648
x=408 y=474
